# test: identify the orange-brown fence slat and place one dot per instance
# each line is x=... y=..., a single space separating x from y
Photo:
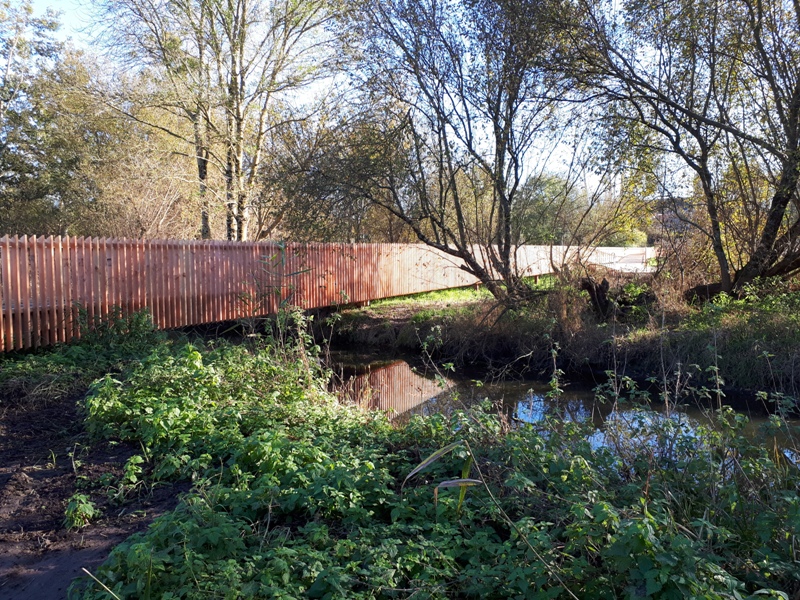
x=219 y=281
x=129 y=273
x=147 y=281
x=176 y=274
x=147 y=278
x=125 y=279
x=188 y=284
x=119 y=275
x=163 y=285
x=150 y=282
x=39 y=305
x=53 y=297
x=170 y=307
x=100 y=276
x=44 y=280
x=75 y=274
x=139 y=277
x=25 y=290
x=48 y=290
x=112 y=285
x=66 y=267
x=70 y=293
x=210 y=275
x=164 y=273
x=190 y=292
x=216 y=282
x=71 y=297
x=156 y=270
x=41 y=282
x=93 y=277
x=79 y=280
x=34 y=284
x=238 y=272
x=16 y=286
x=208 y=282
x=179 y=277
x=236 y=275
x=105 y=300
x=202 y=278
x=58 y=288
x=224 y=281
x=173 y=257
x=212 y=282
x=8 y=302
x=194 y=289
x=129 y=293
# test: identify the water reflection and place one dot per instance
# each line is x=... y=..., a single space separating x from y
x=396 y=388
x=400 y=390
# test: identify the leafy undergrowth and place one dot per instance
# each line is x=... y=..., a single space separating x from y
x=297 y=496
x=53 y=374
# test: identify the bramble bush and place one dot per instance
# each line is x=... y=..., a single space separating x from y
x=296 y=495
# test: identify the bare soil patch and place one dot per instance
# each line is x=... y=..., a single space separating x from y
x=45 y=456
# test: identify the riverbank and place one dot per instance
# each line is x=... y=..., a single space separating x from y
x=298 y=495
x=743 y=347
x=276 y=488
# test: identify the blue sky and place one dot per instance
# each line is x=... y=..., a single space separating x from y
x=74 y=17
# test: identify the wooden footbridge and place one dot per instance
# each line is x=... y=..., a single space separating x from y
x=46 y=281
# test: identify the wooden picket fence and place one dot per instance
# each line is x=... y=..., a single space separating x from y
x=46 y=282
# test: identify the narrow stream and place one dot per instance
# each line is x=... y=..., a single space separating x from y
x=393 y=385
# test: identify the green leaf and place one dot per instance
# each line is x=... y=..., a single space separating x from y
x=464 y=483
x=432 y=459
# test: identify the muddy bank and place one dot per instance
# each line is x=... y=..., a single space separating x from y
x=45 y=458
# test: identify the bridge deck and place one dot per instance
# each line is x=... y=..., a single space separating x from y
x=48 y=284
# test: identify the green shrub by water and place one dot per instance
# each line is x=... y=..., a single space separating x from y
x=753 y=342
x=296 y=496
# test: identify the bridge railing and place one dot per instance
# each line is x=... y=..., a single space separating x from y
x=46 y=281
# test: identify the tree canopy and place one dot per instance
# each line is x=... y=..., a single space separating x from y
x=470 y=125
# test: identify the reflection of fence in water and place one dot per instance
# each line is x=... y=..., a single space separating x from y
x=395 y=388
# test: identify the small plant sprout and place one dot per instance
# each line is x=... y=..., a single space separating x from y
x=80 y=511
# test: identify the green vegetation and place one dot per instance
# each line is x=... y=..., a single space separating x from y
x=452 y=295
x=751 y=343
x=458 y=295
x=80 y=511
x=105 y=346
x=298 y=496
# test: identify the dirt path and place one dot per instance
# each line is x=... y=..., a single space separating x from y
x=45 y=457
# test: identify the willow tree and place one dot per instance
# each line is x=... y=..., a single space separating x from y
x=717 y=84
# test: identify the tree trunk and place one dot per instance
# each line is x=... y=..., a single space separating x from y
x=230 y=215
x=763 y=257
